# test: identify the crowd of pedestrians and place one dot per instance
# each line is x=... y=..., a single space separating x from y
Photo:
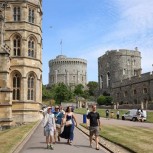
x=58 y=124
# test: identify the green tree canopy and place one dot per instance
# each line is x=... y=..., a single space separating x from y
x=62 y=93
x=104 y=100
x=79 y=90
x=92 y=85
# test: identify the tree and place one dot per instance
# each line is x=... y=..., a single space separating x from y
x=62 y=93
x=101 y=100
x=79 y=90
x=104 y=100
x=46 y=93
x=92 y=85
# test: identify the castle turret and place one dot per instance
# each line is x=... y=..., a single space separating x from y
x=71 y=71
x=117 y=65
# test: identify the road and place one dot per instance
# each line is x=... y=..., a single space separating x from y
x=104 y=121
x=36 y=144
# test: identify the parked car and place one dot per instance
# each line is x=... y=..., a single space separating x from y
x=135 y=115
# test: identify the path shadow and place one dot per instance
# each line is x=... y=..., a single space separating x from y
x=82 y=146
x=37 y=147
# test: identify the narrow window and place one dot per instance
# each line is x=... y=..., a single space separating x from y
x=30 y=94
x=17 y=46
x=134 y=92
x=101 y=82
x=108 y=79
x=31 y=15
x=145 y=90
x=16 y=86
x=16 y=13
x=31 y=48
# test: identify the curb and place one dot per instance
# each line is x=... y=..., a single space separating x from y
x=80 y=128
x=106 y=144
x=17 y=148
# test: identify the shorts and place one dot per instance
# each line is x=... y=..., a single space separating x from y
x=94 y=130
x=49 y=133
x=58 y=129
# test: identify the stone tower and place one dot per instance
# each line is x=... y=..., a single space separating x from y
x=71 y=71
x=117 y=65
x=23 y=34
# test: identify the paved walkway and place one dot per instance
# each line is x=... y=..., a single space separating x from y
x=111 y=121
x=36 y=144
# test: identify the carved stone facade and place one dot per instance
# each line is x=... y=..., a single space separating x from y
x=71 y=71
x=21 y=84
x=120 y=75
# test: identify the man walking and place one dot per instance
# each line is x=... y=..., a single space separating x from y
x=93 y=118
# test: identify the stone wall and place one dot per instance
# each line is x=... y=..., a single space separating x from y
x=71 y=71
x=120 y=64
x=23 y=109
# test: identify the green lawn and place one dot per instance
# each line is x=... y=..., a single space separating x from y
x=135 y=139
x=10 y=138
x=102 y=113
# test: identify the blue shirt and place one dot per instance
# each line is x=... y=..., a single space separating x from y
x=58 y=117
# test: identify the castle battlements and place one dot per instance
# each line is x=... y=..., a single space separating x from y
x=133 y=80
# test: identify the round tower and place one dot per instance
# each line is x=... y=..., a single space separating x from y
x=117 y=65
x=71 y=71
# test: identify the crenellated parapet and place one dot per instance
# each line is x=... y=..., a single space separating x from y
x=133 y=80
x=71 y=71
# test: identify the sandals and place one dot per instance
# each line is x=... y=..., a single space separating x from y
x=70 y=143
x=97 y=148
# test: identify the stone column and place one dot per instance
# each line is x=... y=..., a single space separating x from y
x=5 y=91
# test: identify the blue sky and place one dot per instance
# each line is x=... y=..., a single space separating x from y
x=88 y=28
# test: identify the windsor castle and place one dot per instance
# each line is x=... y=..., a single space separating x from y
x=119 y=74
x=20 y=61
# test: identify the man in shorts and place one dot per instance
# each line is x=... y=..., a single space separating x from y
x=93 y=118
x=58 y=120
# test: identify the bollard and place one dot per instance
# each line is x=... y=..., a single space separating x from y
x=84 y=118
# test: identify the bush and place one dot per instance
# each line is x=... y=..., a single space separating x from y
x=104 y=100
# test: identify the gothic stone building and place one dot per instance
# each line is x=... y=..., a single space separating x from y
x=20 y=61
x=71 y=71
x=119 y=74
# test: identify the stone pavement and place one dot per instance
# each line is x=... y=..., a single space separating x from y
x=36 y=144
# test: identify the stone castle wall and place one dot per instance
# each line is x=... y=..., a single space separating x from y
x=120 y=64
x=23 y=64
x=128 y=87
x=71 y=71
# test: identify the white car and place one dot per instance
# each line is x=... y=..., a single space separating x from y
x=135 y=115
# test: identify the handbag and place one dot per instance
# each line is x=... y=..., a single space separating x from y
x=68 y=123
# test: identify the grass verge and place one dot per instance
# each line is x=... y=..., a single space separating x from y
x=135 y=139
x=102 y=113
x=10 y=138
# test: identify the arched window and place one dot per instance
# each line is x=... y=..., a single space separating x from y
x=108 y=79
x=17 y=46
x=31 y=47
x=16 y=13
x=101 y=82
x=16 y=86
x=31 y=88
